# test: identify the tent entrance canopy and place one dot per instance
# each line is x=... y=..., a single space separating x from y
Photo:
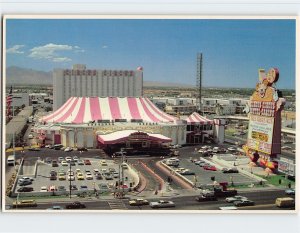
x=131 y=136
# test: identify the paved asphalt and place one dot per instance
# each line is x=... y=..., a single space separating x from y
x=264 y=200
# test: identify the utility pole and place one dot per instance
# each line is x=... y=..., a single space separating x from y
x=70 y=172
x=199 y=82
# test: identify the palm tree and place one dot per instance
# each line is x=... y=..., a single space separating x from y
x=219 y=109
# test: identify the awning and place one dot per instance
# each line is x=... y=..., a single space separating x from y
x=196 y=118
x=131 y=135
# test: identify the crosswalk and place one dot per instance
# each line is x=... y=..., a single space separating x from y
x=117 y=204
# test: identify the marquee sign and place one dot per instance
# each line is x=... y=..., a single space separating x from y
x=118 y=73
x=264 y=109
x=81 y=72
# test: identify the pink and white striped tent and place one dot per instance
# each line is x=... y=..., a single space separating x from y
x=196 y=118
x=80 y=110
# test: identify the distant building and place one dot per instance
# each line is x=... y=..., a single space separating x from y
x=82 y=82
x=19 y=99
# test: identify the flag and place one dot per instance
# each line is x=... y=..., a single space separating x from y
x=8 y=102
x=9 y=97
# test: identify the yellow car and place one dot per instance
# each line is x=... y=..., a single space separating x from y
x=80 y=176
x=61 y=176
x=103 y=163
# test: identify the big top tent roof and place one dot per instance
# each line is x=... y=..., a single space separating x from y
x=196 y=118
x=78 y=110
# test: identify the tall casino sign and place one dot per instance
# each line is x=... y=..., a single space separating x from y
x=264 y=110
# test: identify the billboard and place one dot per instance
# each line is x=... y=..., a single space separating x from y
x=260 y=133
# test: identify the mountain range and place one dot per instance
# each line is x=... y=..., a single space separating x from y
x=19 y=75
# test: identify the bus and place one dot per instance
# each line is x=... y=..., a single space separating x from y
x=285 y=202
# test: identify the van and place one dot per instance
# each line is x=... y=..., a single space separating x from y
x=11 y=160
x=285 y=202
x=24 y=203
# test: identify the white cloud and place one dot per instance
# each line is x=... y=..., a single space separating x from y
x=104 y=46
x=52 y=52
x=15 y=49
x=61 y=59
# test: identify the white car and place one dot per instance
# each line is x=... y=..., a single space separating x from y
x=115 y=174
x=64 y=163
x=89 y=176
x=75 y=158
x=162 y=204
x=25 y=178
x=231 y=149
x=235 y=198
x=68 y=149
x=71 y=177
x=68 y=159
x=30 y=136
x=96 y=171
x=44 y=189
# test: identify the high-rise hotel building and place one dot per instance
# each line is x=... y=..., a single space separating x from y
x=82 y=82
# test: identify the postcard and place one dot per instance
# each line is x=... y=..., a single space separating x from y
x=149 y=114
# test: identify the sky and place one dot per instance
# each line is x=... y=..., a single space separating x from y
x=233 y=50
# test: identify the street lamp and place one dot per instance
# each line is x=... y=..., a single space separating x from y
x=70 y=177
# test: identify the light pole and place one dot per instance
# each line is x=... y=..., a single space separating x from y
x=70 y=177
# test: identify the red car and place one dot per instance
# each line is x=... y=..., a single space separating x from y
x=210 y=168
x=87 y=162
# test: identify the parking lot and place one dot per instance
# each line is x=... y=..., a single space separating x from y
x=59 y=183
x=205 y=176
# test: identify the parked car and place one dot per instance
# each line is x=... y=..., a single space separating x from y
x=138 y=202
x=25 y=189
x=162 y=204
x=25 y=178
x=53 y=177
x=44 y=189
x=71 y=177
x=52 y=188
x=87 y=162
x=80 y=176
x=75 y=158
x=88 y=176
x=230 y=170
x=82 y=149
x=61 y=176
x=68 y=159
x=80 y=162
x=61 y=188
x=98 y=176
x=244 y=203
x=68 y=149
x=115 y=174
x=235 y=198
x=187 y=172
x=75 y=205
x=210 y=168
x=231 y=149
x=83 y=188
x=54 y=163
x=107 y=176
x=25 y=183
x=73 y=187
x=64 y=163
x=285 y=202
x=103 y=163
x=60 y=159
